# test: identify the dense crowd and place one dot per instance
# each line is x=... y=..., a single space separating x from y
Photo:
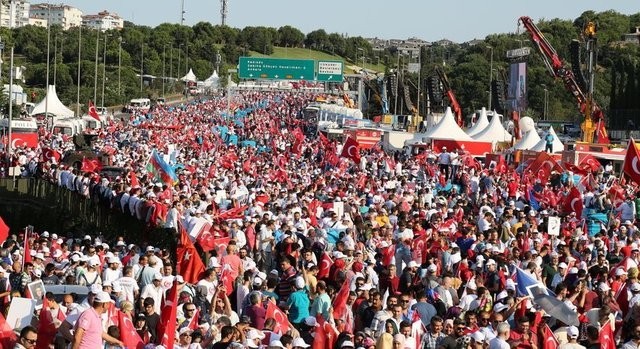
x=298 y=246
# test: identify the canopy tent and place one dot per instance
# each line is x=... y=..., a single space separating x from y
x=557 y=145
x=494 y=132
x=447 y=128
x=480 y=124
x=213 y=81
x=53 y=106
x=190 y=77
x=528 y=141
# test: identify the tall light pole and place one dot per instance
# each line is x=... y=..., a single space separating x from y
x=119 y=66
x=78 y=83
x=490 y=75
x=182 y=14
x=545 y=105
x=46 y=100
x=164 y=52
x=55 y=59
x=141 y=67
x=95 y=73
x=419 y=79
x=104 y=68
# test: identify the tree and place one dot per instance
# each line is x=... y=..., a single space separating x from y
x=290 y=37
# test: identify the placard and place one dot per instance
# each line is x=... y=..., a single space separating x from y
x=20 y=312
x=553 y=226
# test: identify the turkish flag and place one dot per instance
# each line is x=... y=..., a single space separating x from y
x=313 y=211
x=542 y=166
x=91 y=165
x=189 y=265
x=351 y=150
x=418 y=249
x=282 y=323
x=550 y=341
x=51 y=155
x=601 y=134
x=387 y=254
x=128 y=334
x=325 y=266
x=324 y=140
x=630 y=166
x=589 y=163
x=298 y=134
x=8 y=338
x=4 y=232
x=206 y=240
x=576 y=169
x=234 y=213
x=573 y=202
x=339 y=305
x=296 y=148
x=46 y=327
x=167 y=325
x=135 y=183
x=607 y=340
x=93 y=112
x=325 y=334
x=622 y=297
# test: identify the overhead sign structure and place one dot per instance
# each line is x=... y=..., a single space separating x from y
x=276 y=68
x=330 y=71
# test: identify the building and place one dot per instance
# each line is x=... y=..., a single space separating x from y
x=408 y=47
x=38 y=22
x=632 y=38
x=103 y=21
x=63 y=15
x=14 y=14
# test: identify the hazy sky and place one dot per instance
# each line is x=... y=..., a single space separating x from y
x=457 y=20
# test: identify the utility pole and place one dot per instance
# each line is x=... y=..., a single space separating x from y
x=78 y=83
x=104 y=68
x=46 y=100
x=223 y=12
x=490 y=75
x=182 y=14
x=95 y=73
x=141 y=67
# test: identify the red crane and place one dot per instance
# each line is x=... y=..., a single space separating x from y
x=446 y=87
x=588 y=107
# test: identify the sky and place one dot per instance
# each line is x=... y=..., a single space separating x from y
x=456 y=20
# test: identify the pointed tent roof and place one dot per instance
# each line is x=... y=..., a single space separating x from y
x=54 y=106
x=528 y=141
x=447 y=128
x=480 y=124
x=190 y=76
x=213 y=80
x=557 y=145
x=494 y=132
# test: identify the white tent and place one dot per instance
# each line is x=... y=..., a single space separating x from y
x=557 y=145
x=528 y=141
x=494 y=132
x=54 y=106
x=447 y=128
x=190 y=77
x=480 y=124
x=213 y=81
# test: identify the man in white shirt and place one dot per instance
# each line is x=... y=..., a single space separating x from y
x=129 y=286
x=444 y=160
x=154 y=290
x=500 y=342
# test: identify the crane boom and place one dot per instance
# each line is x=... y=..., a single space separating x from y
x=455 y=106
x=592 y=112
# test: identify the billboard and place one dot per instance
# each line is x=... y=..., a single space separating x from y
x=517 y=92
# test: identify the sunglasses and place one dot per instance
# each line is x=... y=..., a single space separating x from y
x=30 y=341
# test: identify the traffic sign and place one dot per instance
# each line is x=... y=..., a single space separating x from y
x=330 y=71
x=276 y=68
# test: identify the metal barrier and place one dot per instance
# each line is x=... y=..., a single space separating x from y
x=46 y=206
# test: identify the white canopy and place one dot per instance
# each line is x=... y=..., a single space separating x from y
x=213 y=81
x=189 y=77
x=447 y=128
x=54 y=106
x=494 y=132
x=480 y=124
x=528 y=141
x=557 y=145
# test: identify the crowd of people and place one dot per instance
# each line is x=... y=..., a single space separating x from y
x=302 y=247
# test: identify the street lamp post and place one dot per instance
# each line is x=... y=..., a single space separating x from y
x=164 y=52
x=78 y=83
x=546 y=105
x=490 y=75
x=119 y=66
x=104 y=69
x=95 y=73
x=141 y=67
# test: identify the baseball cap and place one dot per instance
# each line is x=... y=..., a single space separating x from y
x=255 y=334
x=310 y=321
x=620 y=272
x=276 y=344
x=103 y=297
x=299 y=342
x=347 y=344
x=572 y=332
x=499 y=307
x=184 y=330
x=635 y=287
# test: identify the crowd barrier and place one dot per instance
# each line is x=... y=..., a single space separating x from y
x=46 y=206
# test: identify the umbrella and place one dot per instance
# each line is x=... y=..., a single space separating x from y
x=556 y=308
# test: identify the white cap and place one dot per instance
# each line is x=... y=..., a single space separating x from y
x=432 y=268
x=413 y=264
x=498 y=307
x=150 y=249
x=95 y=289
x=490 y=262
x=276 y=344
x=39 y=255
x=255 y=334
x=572 y=332
x=180 y=279
x=477 y=336
x=635 y=287
x=57 y=253
x=511 y=285
x=257 y=281
x=103 y=297
x=213 y=262
x=311 y=321
x=299 y=342
x=45 y=234
x=620 y=272
x=573 y=270
x=604 y=287
x=300 y=282
x=346 y=344
x=562 y=265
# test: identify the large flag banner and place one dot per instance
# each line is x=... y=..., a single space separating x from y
x=161 y=170
x=190 y=266
x=167 y=325
x=351 y=150
x=630 y=166
x=93 y=112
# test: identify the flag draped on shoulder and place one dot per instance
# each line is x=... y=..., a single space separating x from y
x=160 y=170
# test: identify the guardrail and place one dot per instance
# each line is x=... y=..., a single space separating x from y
x=46 y=206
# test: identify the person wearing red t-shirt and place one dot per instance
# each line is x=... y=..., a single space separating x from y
x=523 y=337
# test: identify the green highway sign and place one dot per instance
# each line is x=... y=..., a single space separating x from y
x=276 y=68
x=330 y=71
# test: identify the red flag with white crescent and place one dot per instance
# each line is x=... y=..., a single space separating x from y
x=550 y=341
x=128 y=334
x=93 y=112
x=607 y=339
x=630 y=166
x=325 y=266
x=351 y=150
x=282 y=323
x=167 y=325
x=573 y=202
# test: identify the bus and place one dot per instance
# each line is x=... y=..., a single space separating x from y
x=140 y=104
x=24 y=132
x=69 y=126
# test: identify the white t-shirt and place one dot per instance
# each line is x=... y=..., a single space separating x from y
x=129 y=287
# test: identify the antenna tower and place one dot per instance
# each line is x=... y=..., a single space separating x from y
x=223 y=12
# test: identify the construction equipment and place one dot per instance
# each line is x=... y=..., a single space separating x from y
x=593 y=115
x=453 y=101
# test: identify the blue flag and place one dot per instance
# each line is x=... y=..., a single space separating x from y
x=527 y=285
x=533 y=201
